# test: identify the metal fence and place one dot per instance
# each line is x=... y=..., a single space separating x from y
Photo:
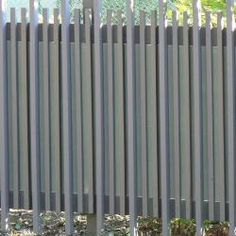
x=128 y=119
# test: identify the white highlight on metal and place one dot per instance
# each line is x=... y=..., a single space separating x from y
x=222 y=23
x=134 y=231
x=7 y=224
x=36 y=5
x=4 y=5
x=132 y=4
x=165 y=22
x=198 y=6
x=210 y=16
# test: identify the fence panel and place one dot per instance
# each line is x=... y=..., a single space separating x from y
x=118 y=118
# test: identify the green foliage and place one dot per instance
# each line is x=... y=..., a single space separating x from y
x=115 y=5
x=212 y=6
x=181 y=6
x=206 y=5
x=73 y=3
x=216 y=228
x=149 y=224
x=183 y=227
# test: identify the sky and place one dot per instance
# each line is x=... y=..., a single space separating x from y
x=25 y=3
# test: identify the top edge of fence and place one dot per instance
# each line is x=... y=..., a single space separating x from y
x=116 y=9
x=116 y=14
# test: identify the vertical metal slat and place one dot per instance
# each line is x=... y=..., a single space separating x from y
x=230 y=96
x=176 y=114
x=46 y=115
x=220 y=145
x=197 y=152
x=120 y=114
x=110 y=78
x=130 y=118
x=163 y=126
x=3 y=123
x=209 y=117
x=14 y=111
x=143 y=114
x=89 y=132
x=55 y=111
x=153 y=125
x=23 y=108
x=99 y=117
x=34 y=115
x=78 y=111
x=186 y=114
x=66 y=116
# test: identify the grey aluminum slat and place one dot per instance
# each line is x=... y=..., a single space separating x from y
x=209 y=108
x=46 y=115
x=176 y=114
x=99 y=146
x=23 y=108
x=197 y=146
x=143 y=114
x=79 y=151
x=88 y=132
x=14 y=111
x=163 y=126
x=230 y=97
x=3 y=123
x=110 y=77
x=220 y=114
x=152 y=142
x=130 y=139
x=119 y=114
x=66 y=116
x=186 y=123
x=55 y=111
x=34 y=115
